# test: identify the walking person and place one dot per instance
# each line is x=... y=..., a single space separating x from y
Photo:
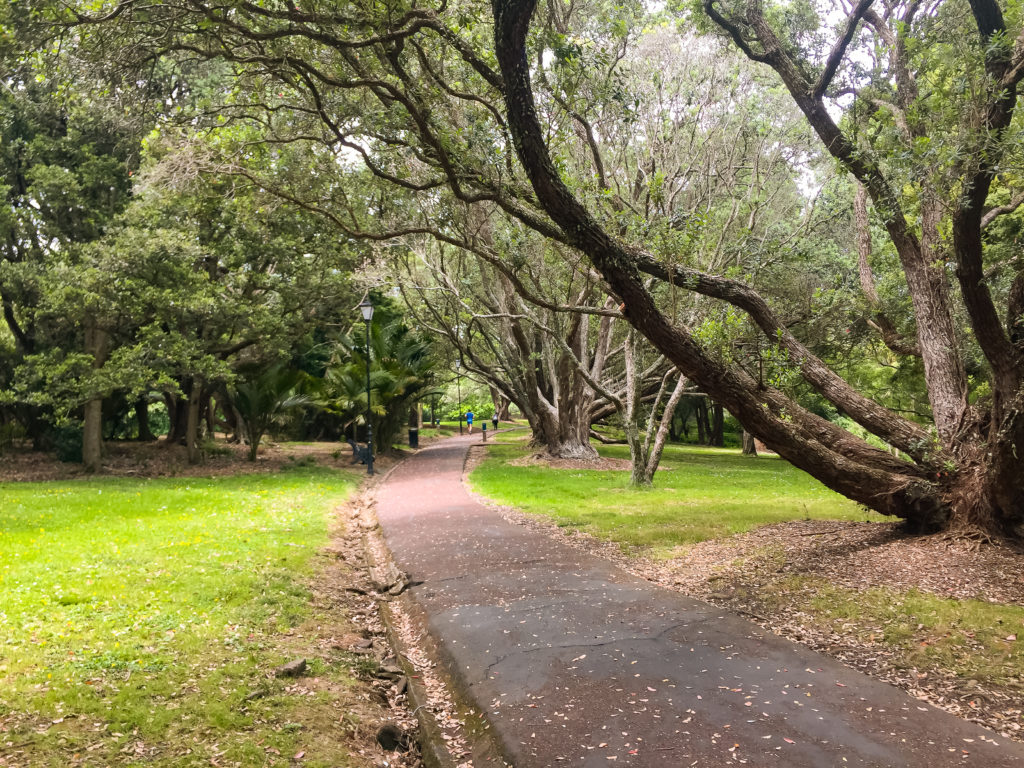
x=469 y=421
x=494 y=420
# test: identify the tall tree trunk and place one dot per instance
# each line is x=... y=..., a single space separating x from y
x=501 y=404
x=171 y=403
x=717 y=435
x=232 y=418
x=638 y=451
x=208 y=412
x=574 y=397
x=195 y=402
x=677 y=428
x=879 y=320
x=142 y=419
x=96 y=340
x=177 y=410
x=700 y=415
x=654 y=459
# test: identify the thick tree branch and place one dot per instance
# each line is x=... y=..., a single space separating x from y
x=844 y=463
x=1001 y=210
x=835 y=57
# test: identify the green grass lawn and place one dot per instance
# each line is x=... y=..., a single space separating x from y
x=702 y=493
x=972 y=638
x=444 y=429
x=143 y=611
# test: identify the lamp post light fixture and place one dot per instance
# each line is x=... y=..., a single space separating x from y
x=458 y=384
x=366 y=307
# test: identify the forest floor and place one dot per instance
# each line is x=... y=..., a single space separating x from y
x=941 y=619
x=150 y=619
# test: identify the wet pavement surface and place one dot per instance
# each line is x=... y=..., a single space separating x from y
x=576 y=662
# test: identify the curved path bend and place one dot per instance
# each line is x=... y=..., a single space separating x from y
x=577 y=663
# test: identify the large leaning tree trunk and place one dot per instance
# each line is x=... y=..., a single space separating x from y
x=950 y=482
x=967 y=472
x=985 y=485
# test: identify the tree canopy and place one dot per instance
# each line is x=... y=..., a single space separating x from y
x=808 y=211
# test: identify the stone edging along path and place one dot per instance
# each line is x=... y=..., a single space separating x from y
x=575 y=662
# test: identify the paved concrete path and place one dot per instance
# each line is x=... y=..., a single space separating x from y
x=577 y=663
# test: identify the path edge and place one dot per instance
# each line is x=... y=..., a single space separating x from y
x=483 y=741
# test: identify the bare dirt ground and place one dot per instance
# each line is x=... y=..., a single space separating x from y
x=342 y=587
x=745 y=574
x=602 y=463
x=162 y=459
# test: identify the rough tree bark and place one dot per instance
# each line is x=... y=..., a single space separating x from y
x=195 y=402
x=96 y=342
x=501 y=403
x=879 y=320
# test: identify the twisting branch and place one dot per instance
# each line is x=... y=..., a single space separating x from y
x=837 y=458
x=835 y=58
x=1001 y=210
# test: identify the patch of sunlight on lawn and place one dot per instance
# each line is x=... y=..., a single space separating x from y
x=143 y=604
x=700 y=493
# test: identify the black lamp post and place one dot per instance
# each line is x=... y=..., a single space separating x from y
x=458 y=384
x=366 y=307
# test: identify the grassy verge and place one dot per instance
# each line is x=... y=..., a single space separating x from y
x=964 y=653
x=442 y=430
x=702 y=493
x=139 y=620
x=972 y=639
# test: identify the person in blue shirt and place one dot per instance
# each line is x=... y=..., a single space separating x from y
x=469 y=421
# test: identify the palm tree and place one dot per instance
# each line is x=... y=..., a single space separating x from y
x=401 y=369
x=263 y=395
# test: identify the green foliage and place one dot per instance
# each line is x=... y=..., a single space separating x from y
x=263 y=394
x=401 y=373
x=475 y=399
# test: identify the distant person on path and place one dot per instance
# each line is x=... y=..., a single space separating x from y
x=469 y=421
x=494 y=419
